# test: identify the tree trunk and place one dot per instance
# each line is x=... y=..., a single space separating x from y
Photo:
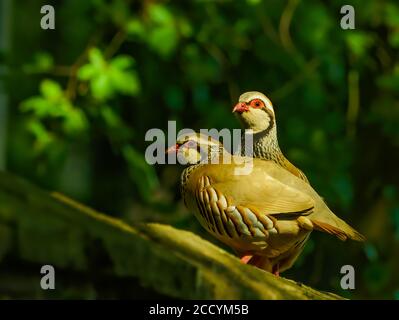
x=90 y=250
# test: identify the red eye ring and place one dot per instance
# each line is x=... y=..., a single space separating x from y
x=257 y=103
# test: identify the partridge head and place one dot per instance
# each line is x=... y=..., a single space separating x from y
x=197 y=148
x=255 y=112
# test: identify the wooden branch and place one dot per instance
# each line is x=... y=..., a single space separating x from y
x=37 y=227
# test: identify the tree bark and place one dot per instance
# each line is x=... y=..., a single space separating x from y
x=37 y=228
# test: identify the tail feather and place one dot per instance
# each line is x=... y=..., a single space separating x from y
x=341 y=233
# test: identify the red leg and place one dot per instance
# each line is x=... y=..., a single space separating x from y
x=276 y=270
x=246 y=258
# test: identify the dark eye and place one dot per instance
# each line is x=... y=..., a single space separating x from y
x=256 y=103
x=191 y=144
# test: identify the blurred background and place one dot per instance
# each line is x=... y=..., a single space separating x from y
x=76 y=102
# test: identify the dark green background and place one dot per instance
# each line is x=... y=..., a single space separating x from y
x=81 y=98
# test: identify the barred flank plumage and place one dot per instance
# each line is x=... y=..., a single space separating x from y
x=268 y=213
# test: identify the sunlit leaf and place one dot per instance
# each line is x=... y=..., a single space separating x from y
x=359 y=42
x=125 y=82
x=122 y=62
x=42 y=136
x=160 y=14
x=86 y=72
x=101 y=86
x=110 y=117
x=135 y=27
x=163 y=40
x=96 y=58
x=42 y=62
x=75 y=122
x=50 y=89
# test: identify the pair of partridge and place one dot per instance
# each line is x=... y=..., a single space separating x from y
x=267 y=214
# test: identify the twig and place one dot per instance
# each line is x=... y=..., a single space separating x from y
x=285 y=22
x=353 y=102
x=115 y=44
x=72 y=81
x=268 y=28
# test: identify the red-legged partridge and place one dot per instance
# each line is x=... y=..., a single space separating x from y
x=255 y=111
x=267 y=213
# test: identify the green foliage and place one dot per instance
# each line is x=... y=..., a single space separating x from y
x=54 y=104
x=359 y=42
x=108 y=78
x=42 y=62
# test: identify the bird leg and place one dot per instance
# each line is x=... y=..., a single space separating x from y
x=276 y=269
x=257 y=261
x=246 y=258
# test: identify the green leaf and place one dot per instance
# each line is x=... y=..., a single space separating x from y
x=393 y=38
x=108 y=78
x=359 y=42
x=86 y=72
x=122 y=62
x=135 y=27
x=42 y=136
x=185 y=27
x=42 y=62
x=53 y=104
x=125 y=82
x=392 y=15
x=160 y=14
x=163 y=40
x=38 y=105
x=101 y=87
x=96 y=58
x=50 y=89
x=254 y=2
x=162 y=36
x=110 y=117
x=75 y=122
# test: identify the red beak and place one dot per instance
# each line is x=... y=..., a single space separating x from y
x=172 y=149
x=240 y=107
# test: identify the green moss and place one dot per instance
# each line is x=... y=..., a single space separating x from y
x=52 y=229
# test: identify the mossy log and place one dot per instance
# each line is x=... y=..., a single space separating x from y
x=37 y=227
